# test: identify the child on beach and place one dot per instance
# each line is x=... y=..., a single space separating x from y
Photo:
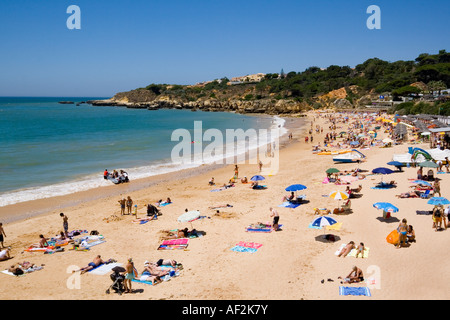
x=122 y=206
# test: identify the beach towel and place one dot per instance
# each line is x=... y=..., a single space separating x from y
x=354 y=291
x=243 y=249
x=313 y=227
x=243 y=246
x=383 y=188
x=424 y=212
x=104 y=268
x=288 y=204
x=174 y=244
x=163 y=204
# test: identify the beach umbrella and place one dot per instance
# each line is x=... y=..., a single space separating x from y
x=323 y=221
x=386 y=207
x=257 y=178
x=396 y=163
x=438 y=201
x=382 y=170
x=339 y=195
x=332 y=170
x=428 y=164
x=422 y=182
x=189 y=216
x=296 y=187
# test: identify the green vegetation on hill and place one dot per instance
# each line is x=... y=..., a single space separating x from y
x=374 y=76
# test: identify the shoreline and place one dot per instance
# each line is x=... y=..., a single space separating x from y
x=25 y=210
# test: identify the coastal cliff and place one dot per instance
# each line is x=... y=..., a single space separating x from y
x=145 y=99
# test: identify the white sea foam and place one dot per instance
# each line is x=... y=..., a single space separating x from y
x=96 y=180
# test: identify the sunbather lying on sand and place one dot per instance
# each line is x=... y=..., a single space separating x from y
x=346 y=250
x=221 y=206
x=412 y=194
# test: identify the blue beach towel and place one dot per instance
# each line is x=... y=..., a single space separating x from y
x=288 y=204
x=354 y=291
x=243 y=249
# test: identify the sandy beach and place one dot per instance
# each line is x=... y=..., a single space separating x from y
x=290 y=264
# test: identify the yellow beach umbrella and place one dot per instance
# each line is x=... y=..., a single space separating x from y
x=339 y=195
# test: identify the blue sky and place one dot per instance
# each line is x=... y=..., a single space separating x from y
x=123 y=45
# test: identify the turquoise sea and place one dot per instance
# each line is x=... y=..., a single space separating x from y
x=49 y=149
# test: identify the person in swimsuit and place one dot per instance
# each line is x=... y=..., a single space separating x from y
x=129 y=275
x=276 y=218
x=355 y=276
x=129 y=204
x=65 y=224
x=122 y=206
x=346 y=250
x=2 y=234
x=360 y=250
x=436 y=187
x=92 y=265
x=437 y=218
x=403 y=231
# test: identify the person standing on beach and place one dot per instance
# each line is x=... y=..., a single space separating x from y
x=2 y=234
x=122 y=206
x=276 y=218
x=236 y=171
x=260 y=165
x=129 y=275
x=129 y=204
x=65 y=224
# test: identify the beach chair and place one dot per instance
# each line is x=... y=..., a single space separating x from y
x=426 y=194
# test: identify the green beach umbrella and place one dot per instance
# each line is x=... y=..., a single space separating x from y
x=332 y=170
x=428 y=164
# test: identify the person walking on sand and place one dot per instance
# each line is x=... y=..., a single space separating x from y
x=260 y=165
x=276 y=218
x=129 y=204
x=122 y=206
x=2 y=234
x=236 y=171
x=129 y=275
x=65 y=224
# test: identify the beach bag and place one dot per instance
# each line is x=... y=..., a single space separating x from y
x=18 y=272
x=94 y=233
x=393 y=237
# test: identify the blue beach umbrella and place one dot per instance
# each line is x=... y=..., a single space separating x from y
x=396 y=163
x=422 y=182
x=323 y=221
x=257 y=178
x=382 y=170
x=438 y=201
x=296 y=187
x=385 y=206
